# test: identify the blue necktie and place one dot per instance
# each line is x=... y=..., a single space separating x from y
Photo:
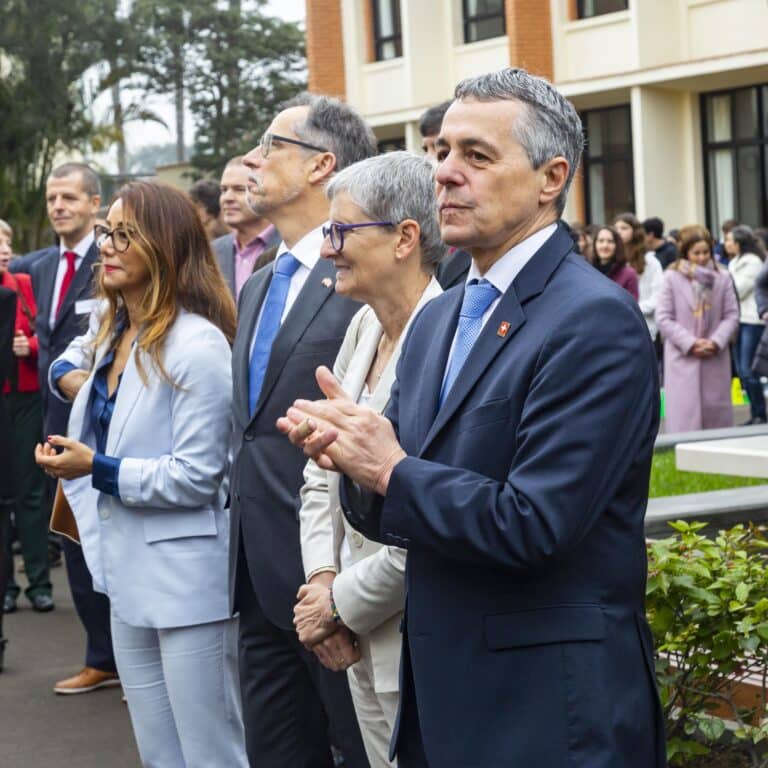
x=274 y=304
x=478 y=296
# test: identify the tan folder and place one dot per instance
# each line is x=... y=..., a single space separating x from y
x=62 y=519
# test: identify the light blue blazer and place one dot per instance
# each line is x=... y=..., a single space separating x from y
x=160 y=549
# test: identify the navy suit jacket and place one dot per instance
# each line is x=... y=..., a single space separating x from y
x=25 y=263
x=267 y=471
x=69 y=323
x=521 y=504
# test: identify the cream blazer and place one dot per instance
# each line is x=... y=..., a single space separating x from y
x=370 y=595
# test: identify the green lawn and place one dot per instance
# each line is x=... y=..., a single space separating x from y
x=667 y=480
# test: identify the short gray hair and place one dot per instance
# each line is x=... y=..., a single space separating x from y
x=332 y=124
x=91 y=181
x=550 y=126
x=393 y=187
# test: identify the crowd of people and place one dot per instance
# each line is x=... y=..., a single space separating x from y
x=352 y=452
x=705 y=305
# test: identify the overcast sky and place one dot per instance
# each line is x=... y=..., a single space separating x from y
x=141 y=134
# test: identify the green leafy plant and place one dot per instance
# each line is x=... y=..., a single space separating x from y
x=707 y=603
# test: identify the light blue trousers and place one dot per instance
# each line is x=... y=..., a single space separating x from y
x=183 y=693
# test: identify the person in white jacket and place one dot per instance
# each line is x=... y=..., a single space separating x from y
x=746 y=258
x=385 y=252
x=649 y=284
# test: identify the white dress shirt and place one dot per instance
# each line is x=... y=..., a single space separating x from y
x=505 y=270
x=80 y=249
x=307 y=251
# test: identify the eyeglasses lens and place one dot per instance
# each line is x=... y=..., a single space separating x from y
x=121 y=240
x=337 y=238
x=266 y=144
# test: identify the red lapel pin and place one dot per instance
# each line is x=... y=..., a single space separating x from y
x=503 y=328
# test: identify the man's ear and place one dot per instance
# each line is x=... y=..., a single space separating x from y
x=322 y=167
x=95 y=203
x=554 y=176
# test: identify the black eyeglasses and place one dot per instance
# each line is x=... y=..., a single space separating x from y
x=121 y=237
x=268 y=138
x=336 y=231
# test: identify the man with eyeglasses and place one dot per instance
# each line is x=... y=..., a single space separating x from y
x=62 y=280
x=253 y=241
x=290 y=321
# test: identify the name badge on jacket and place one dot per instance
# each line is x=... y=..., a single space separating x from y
x=85 y=306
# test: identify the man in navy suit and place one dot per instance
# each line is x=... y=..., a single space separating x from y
x=513 y=464
x=62 y=281
x=289 y=322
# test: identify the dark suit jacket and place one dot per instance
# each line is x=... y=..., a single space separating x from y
x=7 y=361
x=25 y=263
x=453 y=269
x=224 y=249
x=267 y=469
x=521 y=504
x=53 y=341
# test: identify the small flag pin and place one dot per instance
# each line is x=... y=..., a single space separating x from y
x=327 y=282
x=503 y=328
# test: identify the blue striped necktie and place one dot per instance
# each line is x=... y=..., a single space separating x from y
x=274 y=304
x=478 y=296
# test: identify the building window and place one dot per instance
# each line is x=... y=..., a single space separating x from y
x=735 y=139
x=608 y=174
x=483 y=19
x=386 y=29
x=589 y=8
x=391 y=145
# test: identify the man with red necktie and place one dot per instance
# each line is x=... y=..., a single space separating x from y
x=62 y=279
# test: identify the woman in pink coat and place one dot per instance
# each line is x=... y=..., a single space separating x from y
x=697 y=314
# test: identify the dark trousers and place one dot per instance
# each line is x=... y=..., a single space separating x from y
x=293 y=708
x=5 y=511
x=744 y=353
x=32 y=511
x=92 y=608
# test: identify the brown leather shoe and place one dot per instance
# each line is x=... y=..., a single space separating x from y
x=87 y=680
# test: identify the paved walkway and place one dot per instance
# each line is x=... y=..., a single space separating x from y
x=39 y=729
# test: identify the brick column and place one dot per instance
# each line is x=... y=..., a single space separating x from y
x=325 y=48
x=529 y=29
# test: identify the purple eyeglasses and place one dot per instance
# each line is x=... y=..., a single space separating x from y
x=336 y=231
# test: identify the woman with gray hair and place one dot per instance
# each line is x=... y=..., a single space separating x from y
x=385 y=242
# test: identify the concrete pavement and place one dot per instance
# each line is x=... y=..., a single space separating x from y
x=39 y=729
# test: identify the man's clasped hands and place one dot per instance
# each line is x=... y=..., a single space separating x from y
x=340 y=436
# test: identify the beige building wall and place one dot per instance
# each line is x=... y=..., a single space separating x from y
x=393 y=94
x=658 y=56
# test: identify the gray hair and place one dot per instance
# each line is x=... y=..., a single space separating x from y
x=332 y=124
x=550 y=126
x=393 y=187
x=91 y=181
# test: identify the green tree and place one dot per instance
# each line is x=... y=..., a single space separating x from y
x=245 y=64
x=46 y=46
